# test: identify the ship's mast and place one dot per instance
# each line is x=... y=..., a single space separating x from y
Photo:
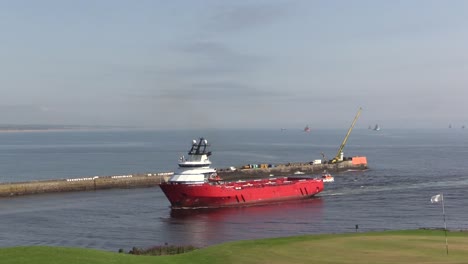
x=339 y=155
x=199 y=148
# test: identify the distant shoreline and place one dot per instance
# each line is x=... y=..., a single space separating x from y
x=54 y=129
x=38 y=130
x=16 y=130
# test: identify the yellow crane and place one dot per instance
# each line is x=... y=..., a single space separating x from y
x=339 y=155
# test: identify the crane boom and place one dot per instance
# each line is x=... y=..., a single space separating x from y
x=338 y=156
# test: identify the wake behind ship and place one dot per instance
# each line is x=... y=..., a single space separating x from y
x=197 y=185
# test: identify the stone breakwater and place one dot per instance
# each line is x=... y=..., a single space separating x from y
x=252 y=171
x=83 y=184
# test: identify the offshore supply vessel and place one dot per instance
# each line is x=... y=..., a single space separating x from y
x=197 y=185
x=338 y=164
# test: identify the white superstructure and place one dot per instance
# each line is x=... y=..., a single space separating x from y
x=195 y=169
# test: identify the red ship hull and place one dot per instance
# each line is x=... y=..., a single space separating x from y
x=242 y=193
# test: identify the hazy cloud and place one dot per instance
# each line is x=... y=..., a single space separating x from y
x=154 y=63
x=23 y=108
x=215 y=57
x=217 y=91
x=244 y=17
x=22 y=113
x=207 y=48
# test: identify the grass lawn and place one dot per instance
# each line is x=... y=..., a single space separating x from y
x=412 y=246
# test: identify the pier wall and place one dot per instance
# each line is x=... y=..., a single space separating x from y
x=83 y=184
x=153 y=179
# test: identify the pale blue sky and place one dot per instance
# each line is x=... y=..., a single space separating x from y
x=224 y=64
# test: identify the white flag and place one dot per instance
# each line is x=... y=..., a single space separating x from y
x=436 y=198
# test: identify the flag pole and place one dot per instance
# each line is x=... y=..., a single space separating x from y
x=445 y=224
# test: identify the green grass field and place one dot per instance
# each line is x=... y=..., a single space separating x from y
x=414 y=246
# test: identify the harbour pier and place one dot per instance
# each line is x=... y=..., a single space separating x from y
x=83 y=184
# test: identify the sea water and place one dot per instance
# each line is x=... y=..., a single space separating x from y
x=406 y=168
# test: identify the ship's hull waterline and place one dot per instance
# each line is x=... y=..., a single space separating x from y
x=241 y=193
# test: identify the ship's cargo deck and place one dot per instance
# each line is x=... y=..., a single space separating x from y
x=310 y=168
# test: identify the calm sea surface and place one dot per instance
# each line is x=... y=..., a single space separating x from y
x=406 y=169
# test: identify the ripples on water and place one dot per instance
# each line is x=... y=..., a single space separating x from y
x=406 y=170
